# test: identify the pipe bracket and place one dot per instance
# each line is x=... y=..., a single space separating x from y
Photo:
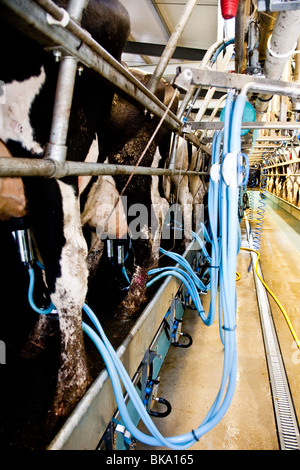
x=63 y=22
x=57 y=155
x=274 y=54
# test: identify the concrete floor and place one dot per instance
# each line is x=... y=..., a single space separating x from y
x=280 y=263
x=190 y=378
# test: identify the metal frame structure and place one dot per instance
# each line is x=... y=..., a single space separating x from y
x=67 y=39
x=71 y=41
x=87 y=424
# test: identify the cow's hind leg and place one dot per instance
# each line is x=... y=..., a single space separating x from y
x=45 y=327
x=57 y=228
x=137 y=295
x=142 y=245
x=68 y=297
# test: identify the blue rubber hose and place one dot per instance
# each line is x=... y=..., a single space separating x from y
x=41 y=311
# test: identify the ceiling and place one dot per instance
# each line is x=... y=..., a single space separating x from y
x=152 y=22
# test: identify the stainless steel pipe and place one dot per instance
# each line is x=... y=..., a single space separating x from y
x=49 y=168
x=171 y=45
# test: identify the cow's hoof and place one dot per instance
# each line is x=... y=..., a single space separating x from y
x=31 y=350
x=123 y=315
x=46 y=330
x=126 y=312
x=64 y=406
x=51 y=426
x=71 y=387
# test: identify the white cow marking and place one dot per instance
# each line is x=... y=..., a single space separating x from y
x=15 y=112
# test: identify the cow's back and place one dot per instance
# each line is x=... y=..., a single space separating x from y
x=25 y=62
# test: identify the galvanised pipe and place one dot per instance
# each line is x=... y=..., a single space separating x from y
x=90 y=53
x=171 y=45
x=207 y=125
x=49 y=168
x=280 y=48
x=56 y=148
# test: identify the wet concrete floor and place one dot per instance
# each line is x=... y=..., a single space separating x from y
x=190 y=378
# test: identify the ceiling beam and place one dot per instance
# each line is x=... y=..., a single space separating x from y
x=160 y=19
x=156 y=50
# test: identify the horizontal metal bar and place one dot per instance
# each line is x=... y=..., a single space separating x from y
x=49 y=168
x=156 y=50
x=290 y=162
x=217 y=125
x=90 y=53
x=244 y=83
x=269 y=6
x=265 y=146
x=275 y=138
x=283 y=174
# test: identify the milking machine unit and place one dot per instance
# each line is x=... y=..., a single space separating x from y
x=21 y=232
x=219 y=261
x=118 y=252
x=224 y=238
x=215 y=272
x=219 y=246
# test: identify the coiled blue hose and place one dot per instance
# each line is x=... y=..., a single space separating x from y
x=260 y=217
x=251 y=185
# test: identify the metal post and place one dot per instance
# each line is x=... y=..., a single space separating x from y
x=173 y=151
x=56 y=148
x=76 y=9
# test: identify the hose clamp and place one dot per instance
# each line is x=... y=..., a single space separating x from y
x=232 y=169
x=215 y=173
x=229 y=169
x=63 y=22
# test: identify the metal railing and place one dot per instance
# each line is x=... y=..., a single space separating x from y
x=67 y=35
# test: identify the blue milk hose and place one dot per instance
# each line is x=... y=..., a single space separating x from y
x=115 y=367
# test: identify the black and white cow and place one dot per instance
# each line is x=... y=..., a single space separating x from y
x=189 y=191
x=128 y=132
x=293 y=183
x=30 y=77
x=12 y=195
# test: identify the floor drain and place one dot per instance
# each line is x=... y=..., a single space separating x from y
x=286 y=420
